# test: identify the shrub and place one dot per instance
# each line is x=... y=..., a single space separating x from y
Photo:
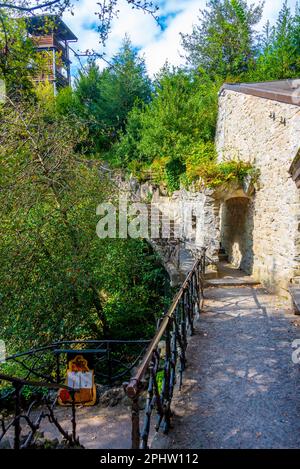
x=214 y=174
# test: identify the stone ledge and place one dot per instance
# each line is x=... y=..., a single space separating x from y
x=295 y=294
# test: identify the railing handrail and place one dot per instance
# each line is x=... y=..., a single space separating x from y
x=39 y=384
x=30 y=352
x=133 y=386
x=53 y=345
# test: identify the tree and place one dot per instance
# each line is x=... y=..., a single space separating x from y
x=107 y=97
x=280 y=49
x=224 y=41
x=123 y=83
x=106 y=11
x=19 y=63
x=87 y=99
x=180 y=118
x=58 y=280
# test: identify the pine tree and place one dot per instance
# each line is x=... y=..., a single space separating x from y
x=124 y=83
x=224 y=41
x=108 y=96
x=280 y=54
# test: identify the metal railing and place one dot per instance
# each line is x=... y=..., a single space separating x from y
x=31 y=419
x=160 y=365
x=114 y=359
x=165 y=359
x=43 y=371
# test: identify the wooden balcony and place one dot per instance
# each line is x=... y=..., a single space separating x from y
x=59 y=78
x=51 y=42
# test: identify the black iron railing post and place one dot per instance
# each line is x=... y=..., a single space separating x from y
x=149 y=405
x=183 y=324
x=109 y=363
x=173 y=364
x=173 y=330
x=181 y=349
x=135 y=419
x=57 y=368
x=166 y=382
x=203 y=260
x=200 y=288
x=73 y=420
x=17 y=423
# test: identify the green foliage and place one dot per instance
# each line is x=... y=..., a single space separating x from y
x=174 y=169
x=126 y=151
x=123 y=83
x=68 y=104
x=160 y=379
x=103 y=99
x=58 y=280
x=160 y=137
x=19 y=63
x=133 y=287
x=223 y=42
x=201 y=153
x=213 y=174
x=183 y=111
x=280 y=49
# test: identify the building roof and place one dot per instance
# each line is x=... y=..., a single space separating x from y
x=283 y=91
x=43 y=24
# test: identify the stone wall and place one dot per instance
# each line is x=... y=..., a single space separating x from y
x=205 y=211
x=183 y=207
x=263 y=235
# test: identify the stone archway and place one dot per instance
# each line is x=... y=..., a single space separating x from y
x=237 y=231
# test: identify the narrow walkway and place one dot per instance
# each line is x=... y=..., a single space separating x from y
x=241 y=388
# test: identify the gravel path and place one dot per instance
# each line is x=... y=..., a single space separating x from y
x=242 y=389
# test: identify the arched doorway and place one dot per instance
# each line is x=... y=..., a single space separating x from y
x=237 y=232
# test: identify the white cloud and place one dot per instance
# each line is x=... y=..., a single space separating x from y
x=168 y=45
x=156 y=44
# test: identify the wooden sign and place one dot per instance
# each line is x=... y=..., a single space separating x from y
x=80 y=376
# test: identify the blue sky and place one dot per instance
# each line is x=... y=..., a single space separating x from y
x=156 y=43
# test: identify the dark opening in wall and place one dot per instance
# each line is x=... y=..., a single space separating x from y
x=237 y=232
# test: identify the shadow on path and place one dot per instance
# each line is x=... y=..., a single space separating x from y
x=241 y=388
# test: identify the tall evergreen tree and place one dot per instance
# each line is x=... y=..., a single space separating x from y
x=224 y=41
x=107 y=97
x=124 y=83
x=280 y=54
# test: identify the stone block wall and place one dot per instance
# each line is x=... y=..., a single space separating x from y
x=183 y=206
x=264 y=238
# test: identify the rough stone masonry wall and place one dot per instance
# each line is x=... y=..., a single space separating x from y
x=205 y=211
x=201 y=204
x=246 y=131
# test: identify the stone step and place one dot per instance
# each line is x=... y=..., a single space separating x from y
x=232 y=282
x=211 y=274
